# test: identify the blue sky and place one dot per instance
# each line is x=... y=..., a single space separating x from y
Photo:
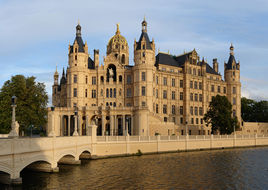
x=34 y=35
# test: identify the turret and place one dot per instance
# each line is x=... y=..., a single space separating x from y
x=96 y=57
x=56 y=77
x=216 y=65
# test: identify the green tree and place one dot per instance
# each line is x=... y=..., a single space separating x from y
x=32 y=100
x=219 y=116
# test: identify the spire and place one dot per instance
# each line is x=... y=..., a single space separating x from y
x=144 y=25
x=56 y=72
x=117 y=29
x=231 y=49
x=63 y=73
x=78 y=29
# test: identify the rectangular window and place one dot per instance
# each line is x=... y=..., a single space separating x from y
x=200 y=85
x=224 y=90
x=173 y=95
x=114 y=92
x=143 y=92
x=181 y=95
x=173 y=82
x=128 y=79
x=75 y=78
x=93 y=94
x=75 y=92
x=192 y=122
x=200 y=97
x=107 y=93
x=156 y=79
x=196 y=121
x=156 y=93
x=196 y=97
x=191 y=84
x=212 y=88
x=164 y=109
x=111 y=92
x=156 y=108
x=165 y=81
x=191 y=110
x=164 y=94
x=234 y=90
x=94 y=80
x=195 y=85
x=143 y=104
x=181 y=83
x=219 y=89
x=200 y=111
x=86 y=93
x=86 y=80
x=143 y=76
x=191 y=96
x=234 y=101
x=195 y=110
x=181 y=120
x=181 y=110
x=173 y=109
x=129 y=92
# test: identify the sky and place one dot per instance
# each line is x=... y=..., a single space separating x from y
x=35 y=34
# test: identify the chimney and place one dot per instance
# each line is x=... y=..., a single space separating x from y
x=96 y=57
x=215 y=65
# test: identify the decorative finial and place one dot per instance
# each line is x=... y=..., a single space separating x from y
x=232 y=49
x=117 y=29
x=144 y=17
x=78 y=23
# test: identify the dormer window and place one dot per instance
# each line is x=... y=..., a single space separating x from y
x=143 y=47
x=75 y=50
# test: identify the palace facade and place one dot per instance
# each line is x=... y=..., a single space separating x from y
x=160 y=94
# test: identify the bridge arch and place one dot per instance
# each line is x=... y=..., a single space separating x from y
x=84 y=154
x=5 y=168
x=63 y=154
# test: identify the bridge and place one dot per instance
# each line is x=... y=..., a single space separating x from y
x=44 y=154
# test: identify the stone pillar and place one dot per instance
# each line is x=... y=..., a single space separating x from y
x=52 y=132
x=62 y=127
x=132 y=122
x=115 y=125
x=112 y=125
x=13 y=132
x=75 y=126
x=69 y=125
x=15 y=178
x=79 y=128
x=124 y=127
x=102 y=125
x=87 y=132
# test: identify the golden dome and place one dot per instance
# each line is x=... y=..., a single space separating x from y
x=117 y=41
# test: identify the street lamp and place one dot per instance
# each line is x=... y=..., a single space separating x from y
x=13 y=132
x=75 y=133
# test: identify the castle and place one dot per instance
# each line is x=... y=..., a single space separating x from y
x=159 y=94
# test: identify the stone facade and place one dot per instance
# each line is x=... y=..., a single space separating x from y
x=160 y=93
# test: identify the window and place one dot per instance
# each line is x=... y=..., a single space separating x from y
x=196 y=97
x=86 y=93
x=181 y=110
x=143 y=76
x=201 y=121
x=111 y=92
x=129 y=92
x=191 y=110
x=219 y=89
x=143 y=104
x=173 y=95
x=86 y=79
x=191 y=84
x=173 y=119
x=200 y=97
x=120 y=78
x=93 y=80
x=75 y=78
x=101 y=92
x=234 y=90
x=165 y=81
x=143 y=90
x=164 y=109
x=195 y=110
x=234 y=101
x=224 y=90
x=200 y=85
x=101 y=79
x=181 y=83
x=181 y=95
x=93 y=94
x=165 y=119
x=114 y=104
x=212 y=88
x=192 y=122
x=181 y=120
x=107 y=93
x=173 y=82
x=156 y=79
x=114 y=92
x=75 y=58
x=143 y=54
x=173 y=109
x=156 y=108
x=200 y=111
x=194 y=71
x=196 y=121
x=181 y=132
x=234 y=113
x=195 y=85
x=191 y=97
x=156 y=93
x=128 y=79
x=164 y=94
x=75 y=92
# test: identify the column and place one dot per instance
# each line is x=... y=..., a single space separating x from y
x=69 y=125
x=79 y=125
x=131 y=123
x=62 y=127
x=115 y=126
x=111 y=125
x=87 y=125
x=124 y=127
x=75 y=126
x=102 y=125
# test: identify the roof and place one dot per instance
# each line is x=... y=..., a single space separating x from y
x=91 y=64
x=147 y=40
x=210 y=70
x=80 y=44
x=230 y=62
x=166 y=59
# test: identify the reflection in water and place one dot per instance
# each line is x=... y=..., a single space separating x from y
x=221 y=169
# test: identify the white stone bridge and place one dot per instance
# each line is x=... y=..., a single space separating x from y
x=44 y=154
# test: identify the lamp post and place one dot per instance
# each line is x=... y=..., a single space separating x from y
x=75 y=133
x=13 y=132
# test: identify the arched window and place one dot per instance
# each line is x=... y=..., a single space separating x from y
x=111 y=92
x=120 y=78
x=114 y=92
x=107 y=93
x=102 y=79
x=123 y=59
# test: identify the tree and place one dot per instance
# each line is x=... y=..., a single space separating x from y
x=32 y=100
x=219 y=116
